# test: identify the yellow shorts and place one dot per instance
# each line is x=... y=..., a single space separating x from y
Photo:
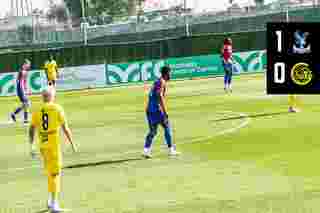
x=52 y=77
x=52 y=161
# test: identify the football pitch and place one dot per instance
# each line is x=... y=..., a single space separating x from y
x=241 y=153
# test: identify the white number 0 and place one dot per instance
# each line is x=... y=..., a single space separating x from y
x=279 y=73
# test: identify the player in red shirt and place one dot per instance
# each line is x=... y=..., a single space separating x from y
x=228 y=65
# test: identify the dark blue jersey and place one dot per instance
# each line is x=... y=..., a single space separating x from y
x=154 y=97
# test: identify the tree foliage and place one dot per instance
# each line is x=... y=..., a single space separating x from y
x=25 y=33
x=109 y=7
x=74 y=7
x=259 y=2
x=58 y=12
x=103 y=7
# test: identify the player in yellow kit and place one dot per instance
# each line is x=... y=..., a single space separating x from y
x=47 y=121
x=52 y=72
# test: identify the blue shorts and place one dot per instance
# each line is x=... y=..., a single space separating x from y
x=228 y=68
x=21 y=94
x=155 y=118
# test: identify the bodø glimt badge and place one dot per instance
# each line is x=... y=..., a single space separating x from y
x=301 y=74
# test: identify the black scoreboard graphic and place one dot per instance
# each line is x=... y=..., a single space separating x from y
x=293 y=58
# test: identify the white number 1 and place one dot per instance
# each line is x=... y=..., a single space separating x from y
x=279 y=40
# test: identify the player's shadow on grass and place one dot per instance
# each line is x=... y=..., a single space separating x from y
x=43 y=211
x=251 y=116
x=100 y=163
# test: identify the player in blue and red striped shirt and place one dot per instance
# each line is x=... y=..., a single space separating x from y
x=21 y=83
x=156 y=111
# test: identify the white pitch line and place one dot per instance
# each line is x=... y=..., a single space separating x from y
x=243 y=124
x=6 y=123
x=227 y=131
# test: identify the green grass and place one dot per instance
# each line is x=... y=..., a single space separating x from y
x=242 y=153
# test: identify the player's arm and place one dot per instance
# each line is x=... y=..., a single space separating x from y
x=32 y=130
x=46 y=69
x=57 y=70
x=58 y=73
x=161 y=93
x=24 y=84
x=232 y=59
x=162 y=104
x=67 y=132
x=221 y=53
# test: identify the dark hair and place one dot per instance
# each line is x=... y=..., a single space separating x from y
x=165 y=70
x=227 y=41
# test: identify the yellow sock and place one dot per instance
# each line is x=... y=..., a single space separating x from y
x=54 y=186
x=292 y=101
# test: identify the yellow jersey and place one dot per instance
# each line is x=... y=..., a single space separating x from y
x=48 y=120
x=51 y=68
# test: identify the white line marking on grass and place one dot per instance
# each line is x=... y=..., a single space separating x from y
x=244 y=123
x=4 y=124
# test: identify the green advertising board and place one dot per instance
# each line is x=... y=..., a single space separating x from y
x=8 y=82
x=184 y=68
x=110 y=74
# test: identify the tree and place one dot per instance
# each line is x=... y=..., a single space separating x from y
x=58 y=12
x=74 y=7
x=112 y=8
x=37 y=11
x=108 y=7
x=132 y=7
x=259 y=2
x=25 y=33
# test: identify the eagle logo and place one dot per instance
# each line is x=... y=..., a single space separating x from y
x=300 y=45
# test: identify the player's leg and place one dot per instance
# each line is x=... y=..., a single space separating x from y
x=230 y=81
x=16 y=111
x=153 y=128
x=225 y=78
x=225 y=81
x=168 y=136
x=46 y=162
x=292 y=99
x=227 y=71
x=21 y=107
x=53 y=165
x=26 y=105
x=234 y=69
x=54 y=180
